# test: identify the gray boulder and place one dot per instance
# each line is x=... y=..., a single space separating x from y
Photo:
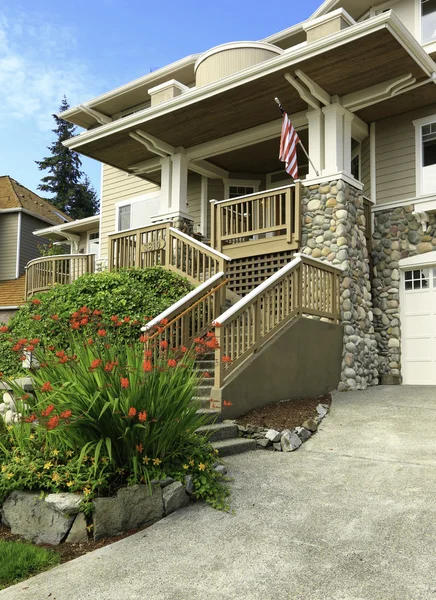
x=289 y=441
x=174 y=497
x=263 y=443
x=66 y=504
x=29 y=516
x=322 y=410
x=311 y=425
x=303 y=434
x=273 y=435
x=78 y=533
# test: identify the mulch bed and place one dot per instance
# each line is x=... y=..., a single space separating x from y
x=69 y=551
x=284 y=415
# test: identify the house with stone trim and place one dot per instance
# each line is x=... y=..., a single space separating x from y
x=191 y=175
x=21 y=213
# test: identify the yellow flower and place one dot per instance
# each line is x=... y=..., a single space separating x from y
x=145 y=460
x=186 y=466
x=4 y=468
x=9 y=427
x=55 y=452
x=70 y=483
x=9 y=475
x=17 y=459
x=90 y=527
x=156 y=461
x=39 y=475
x=70 y=453
x=48 y=465
x=192 y=462
x=31 y=436
x=56 y=477
x=216 y=450
x=201 y=466
x=86 y=491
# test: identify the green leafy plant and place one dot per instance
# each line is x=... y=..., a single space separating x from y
x=19 y=560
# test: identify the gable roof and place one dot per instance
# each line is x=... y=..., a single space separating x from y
x=13 y=195
x=12 y=292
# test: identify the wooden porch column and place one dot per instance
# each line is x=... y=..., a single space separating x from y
x=333 y=139
x=315 y=119
x=179 y=183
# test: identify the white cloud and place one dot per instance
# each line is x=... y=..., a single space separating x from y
x=38 y=65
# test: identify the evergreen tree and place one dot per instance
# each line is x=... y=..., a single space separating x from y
x=71 y=188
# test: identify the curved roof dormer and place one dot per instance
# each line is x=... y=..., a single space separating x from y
x=226 y=59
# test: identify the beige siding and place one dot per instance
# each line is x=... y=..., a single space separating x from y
x=365 y=169
x=194 y=199
x=215 y=191
x=8 y=245
x=118 y=186
x=28 y=242
x=405 y=11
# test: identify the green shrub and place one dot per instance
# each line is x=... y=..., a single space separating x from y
x=19 y=560
x=128 y=293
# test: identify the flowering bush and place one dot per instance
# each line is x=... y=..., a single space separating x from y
x=106 y=415
x=129 y=296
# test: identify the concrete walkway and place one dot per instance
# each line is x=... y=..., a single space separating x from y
x=349 y=516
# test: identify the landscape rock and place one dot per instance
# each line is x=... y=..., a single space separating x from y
x=310 y=424
x=322 y=410
x=78 y=533
x=277 y=446
x=303 y=433
x=273 y=435
x=66 y=504
x=29 y=516
x=221 y=469
x=289 y=441
x=174 y=497
x=189 y=482
x=264 y=442
x=132 y=507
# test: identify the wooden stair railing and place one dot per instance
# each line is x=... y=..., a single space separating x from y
x=165 y=246
x=45 y=272
x=305 y=286
x=189 y=318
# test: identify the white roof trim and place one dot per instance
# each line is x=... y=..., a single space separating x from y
x=236 y=46
x=166 y=84
x=420 y=260
x=339 y=12
x=60 y=228
x=324 y=8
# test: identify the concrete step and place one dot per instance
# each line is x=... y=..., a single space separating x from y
x=219 y=431
x=234 y=446
x=213 y=416
x=202 y=402
x=205 y=365
x=204 y=390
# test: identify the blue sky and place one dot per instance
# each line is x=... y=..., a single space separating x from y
x=85 y=48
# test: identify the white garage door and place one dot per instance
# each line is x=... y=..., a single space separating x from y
x=418 y=325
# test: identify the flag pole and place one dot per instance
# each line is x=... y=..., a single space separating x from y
x=279 y=104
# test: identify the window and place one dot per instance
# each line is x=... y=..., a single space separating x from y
x=355 y=159
x=124 y=217
x=425 y=155
x=416 y=279
x=240 y=187
x=93 y=242
x=240 y=190
x=138 y=211
x=428 y=21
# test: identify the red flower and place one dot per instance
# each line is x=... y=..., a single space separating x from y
x=22 y=358
x=95 y=363
x=90 y=342
x=25 y=397
x=66 y=414
x=16 y=348
x=227 y=403
x=55 y=317
x=84 y=310
x=212 y=343
x=142 y=416
x=75 y=315
x=143 y=339
x=36 y=317
x=97 y=312
x=36 y=301
x=109 y=366
x=148 y=353
x=75 y=325
x=172 y=362
x=84 y=321
x=164 y=322
x=50 y=348
x=206 y=375
x=30 y=419
x=132 y=412
x=164 y=344
x=114 y=318
x=35 y=341
x=139 y=448
x=184 y=349
x=53 y=422
x=126 y=319
x=60 y=353
x=47 y=411
x=124 y=383
x=30 y=348
x=63 y=360
x=226 y=359
x=4 y=329
x=46 y=387
x=217 y=324
x=147 y=366
x=102 y=332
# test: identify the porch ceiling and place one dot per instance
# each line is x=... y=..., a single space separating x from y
x=352 y=66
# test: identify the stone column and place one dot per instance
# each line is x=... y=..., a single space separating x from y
x=334 y=230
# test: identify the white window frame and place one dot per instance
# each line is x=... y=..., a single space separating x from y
x=88 y=239
x=429 y=46
x=418 y=124
x=131 y=201
x=357 y=152
x=254 y=183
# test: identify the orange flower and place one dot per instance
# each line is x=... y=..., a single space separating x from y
x=114 y=318
x=212 y=343
x=172 y=362
x=109 y=367
x=16 y=348
x=147 y=366
x=95 y=363
x=184 y=349
x=63 y=360
x=66 y=414
x=217 y=324
x=132 y=412
x=25 y=397
x=139 y=448
x=53 y=422
x=23 y=358
x=75 y=325
x=126 y=319
x=148 y=353
x=97 y=312
x=206 y=375
x=84 y=321
x=90 y=342
x=36 y=317
x=227 y=403
x=47 y=411
x=60 y=353
x=84 y=310
x=226 y=359
x=102 y=332
x=22 y=341
x=55 y=317
x=124 y=383
x=143 y=339
x=35 y=341
x=4 y=329
x=30 y=419
x=30 y=348
x=164 y=322
x=50 y=348
x=36 y=301
x=142 y=416
x=46 y=387
x=164 y=344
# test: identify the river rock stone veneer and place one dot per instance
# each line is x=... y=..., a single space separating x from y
x=397 y=235
x=333 y=229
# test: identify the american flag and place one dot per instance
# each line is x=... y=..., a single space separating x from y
x=288 y=147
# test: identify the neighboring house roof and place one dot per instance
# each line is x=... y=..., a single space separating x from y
x=12 y=292
x=14 y=196
x=69 y=231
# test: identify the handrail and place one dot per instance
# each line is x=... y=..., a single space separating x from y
x=305 y=286
x=47 y=271
x=190 y=318
x=198 y=244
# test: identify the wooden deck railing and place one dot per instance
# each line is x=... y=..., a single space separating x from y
x=189 y=318
x=45 y=272
x=165 y=246
x=305 y=286
x=258 y=223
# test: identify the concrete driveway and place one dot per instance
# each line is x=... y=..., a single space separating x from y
x=349 y=516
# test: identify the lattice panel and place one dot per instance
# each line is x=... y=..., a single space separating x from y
x=245 y=274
